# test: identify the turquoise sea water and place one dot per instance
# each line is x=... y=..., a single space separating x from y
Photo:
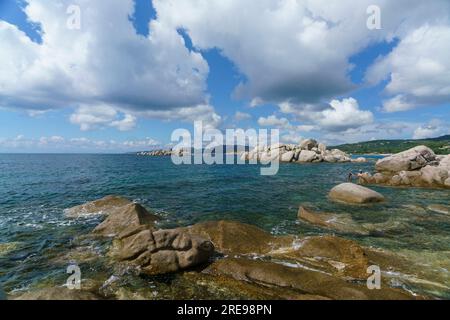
x=35 y=189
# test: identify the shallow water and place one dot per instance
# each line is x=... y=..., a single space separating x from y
x=35 y=189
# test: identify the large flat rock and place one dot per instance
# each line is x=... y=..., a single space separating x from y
x=104 y=206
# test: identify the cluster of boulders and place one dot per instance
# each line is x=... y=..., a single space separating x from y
x=307 y=151
x=248 y=263
x=417 y=167
x=136 y=240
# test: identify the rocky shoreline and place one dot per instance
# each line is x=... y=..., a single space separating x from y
x=416 y=167
x=237 y=260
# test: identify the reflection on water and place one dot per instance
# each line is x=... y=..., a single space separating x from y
x=35 y=189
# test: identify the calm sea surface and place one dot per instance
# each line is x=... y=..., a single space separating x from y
x=35 y=189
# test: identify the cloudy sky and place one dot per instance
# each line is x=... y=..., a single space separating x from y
x=127 y=73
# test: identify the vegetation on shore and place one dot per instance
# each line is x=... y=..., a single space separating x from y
x=440 y=145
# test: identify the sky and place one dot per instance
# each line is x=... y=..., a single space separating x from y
x=122 y=75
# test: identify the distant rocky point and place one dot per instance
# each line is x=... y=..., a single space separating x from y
x=156 y=153
x=307 y=151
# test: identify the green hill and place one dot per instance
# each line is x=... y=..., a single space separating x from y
x=440 y=145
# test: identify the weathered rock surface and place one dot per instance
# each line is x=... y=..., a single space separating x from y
x=306 y=281
x=231 y=237
x=307 y=151
x=344 y=223
x=354 y=194
x=331 y=254
x=308 y=144
x=57 y=293
x=307 y=156
x=162 y=251
x=104 y=206
x=242 y=290
x=6 y=248
x=130 y=215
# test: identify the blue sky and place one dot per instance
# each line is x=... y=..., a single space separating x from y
x=230 y=78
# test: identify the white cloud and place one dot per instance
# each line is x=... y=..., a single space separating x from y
x=125 y=124
x=397 y=103
x=61 y=144
x=103 y=63
x=241 y=116
x=344 y=115
x=273 y=121
x=204 y=113
x=295 y=51
x=418 y=70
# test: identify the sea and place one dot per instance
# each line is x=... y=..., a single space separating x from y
x=36 y=188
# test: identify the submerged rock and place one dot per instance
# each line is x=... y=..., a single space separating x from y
x=58 y=293
x=162 y=251
x=6 y=248
x=333 y=254
x=272 y=274
x=104 y=206
x=230 y=237
x=354 y=194
x=130 y=215
x=224 y=287
x=336 y=222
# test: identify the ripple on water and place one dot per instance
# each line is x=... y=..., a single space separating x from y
x=33 y=200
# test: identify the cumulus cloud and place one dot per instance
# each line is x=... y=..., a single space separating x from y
x=433 y=129
x=89 y=118
x=103 y=63
x=344 y=115
x=294 y=51
x=417 y=70
x=337 y=116
x=273 y=121
x=61 y=144
x=241 y=116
